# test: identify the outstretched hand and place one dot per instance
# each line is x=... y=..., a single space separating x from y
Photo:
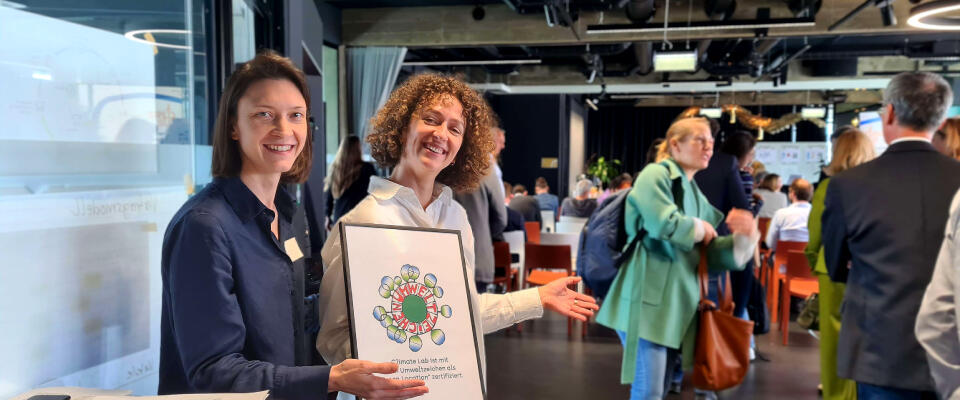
x=357 y=377
x=556 y=296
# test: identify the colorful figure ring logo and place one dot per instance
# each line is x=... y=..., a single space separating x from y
x=413 y=307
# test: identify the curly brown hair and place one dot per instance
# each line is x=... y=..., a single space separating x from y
x=389 y=127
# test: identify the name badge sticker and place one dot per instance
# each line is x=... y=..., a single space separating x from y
x=292 y=249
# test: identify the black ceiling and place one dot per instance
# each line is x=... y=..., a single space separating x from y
x=407 y=3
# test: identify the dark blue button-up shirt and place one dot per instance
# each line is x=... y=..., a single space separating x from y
x=233 y=299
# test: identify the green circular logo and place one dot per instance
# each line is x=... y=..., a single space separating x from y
x=415 y=309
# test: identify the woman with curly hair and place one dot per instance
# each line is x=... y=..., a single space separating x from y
x=434 y=132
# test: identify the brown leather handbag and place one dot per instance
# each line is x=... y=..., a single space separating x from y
x=722 y=355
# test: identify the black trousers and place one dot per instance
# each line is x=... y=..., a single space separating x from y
x=482 y=286
x=741 y=282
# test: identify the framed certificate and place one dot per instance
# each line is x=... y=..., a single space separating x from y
x=409 y=302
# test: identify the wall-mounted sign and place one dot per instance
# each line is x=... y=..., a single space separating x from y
x=549 y=163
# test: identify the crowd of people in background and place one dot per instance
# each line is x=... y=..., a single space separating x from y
x=725 y=192
x=880 y=237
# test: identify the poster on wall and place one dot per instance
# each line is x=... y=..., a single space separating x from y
x=790 y=155
x=766 y=155
x=787 y=159
x=409 y=302
x=815 y=155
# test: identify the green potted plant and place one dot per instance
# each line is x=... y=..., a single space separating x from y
x=604 y=170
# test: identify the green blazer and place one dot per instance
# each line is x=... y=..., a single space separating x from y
x=656 y=292
x=814 y=250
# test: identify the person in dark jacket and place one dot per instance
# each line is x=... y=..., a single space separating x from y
x=579 y=205
x=233 y=306
x=527 y=205
x=883 y=223
x=515 y=220
x=348 y=179
x=741 y=145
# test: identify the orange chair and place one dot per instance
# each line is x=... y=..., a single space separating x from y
x=774 y=278
x=763 y=224
x=540 y=259
x=533 y=231
x=503 y=273
x=800 y=282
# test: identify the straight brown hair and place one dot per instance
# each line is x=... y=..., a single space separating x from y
x=227 y=159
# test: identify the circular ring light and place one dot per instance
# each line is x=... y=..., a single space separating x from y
x=135 y=36
x=930 y=15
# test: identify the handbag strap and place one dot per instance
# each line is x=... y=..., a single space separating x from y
x=702 y=276
x=724 y=293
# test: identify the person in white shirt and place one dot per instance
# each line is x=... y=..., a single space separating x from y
x=790 y=223
x=936 y=327
x=434 y=133
x=773 y=198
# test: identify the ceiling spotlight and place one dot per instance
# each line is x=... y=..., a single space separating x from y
x=640 y=11
x=886 y=12
x=719 y=10
x=478 y=13
x=930 y=15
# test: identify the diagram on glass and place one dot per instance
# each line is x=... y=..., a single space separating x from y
x=413 y=309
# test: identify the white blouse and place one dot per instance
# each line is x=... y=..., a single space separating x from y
x=393 y=204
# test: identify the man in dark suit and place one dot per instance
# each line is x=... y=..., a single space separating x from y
x=883 y=223
x=721 y=184
x=525 y=204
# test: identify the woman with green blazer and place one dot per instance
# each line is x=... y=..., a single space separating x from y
x=852 y=148
x=653 y=301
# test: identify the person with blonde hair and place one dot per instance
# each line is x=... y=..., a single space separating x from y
x=347 y=182
x=773 y=198
x=947 y=139
x=652 y=303
x=852 y=148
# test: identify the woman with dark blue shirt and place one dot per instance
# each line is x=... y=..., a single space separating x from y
x=234 y=310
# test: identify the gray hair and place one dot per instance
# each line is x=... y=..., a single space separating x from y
x=583 y=187
x=920 y=99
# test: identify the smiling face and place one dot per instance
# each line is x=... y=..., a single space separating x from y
x=433 y=138
x=693 y=151
x=271 y=126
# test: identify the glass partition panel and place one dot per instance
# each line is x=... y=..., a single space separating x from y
x=97 y=152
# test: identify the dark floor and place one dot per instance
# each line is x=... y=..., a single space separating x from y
x=543 y=363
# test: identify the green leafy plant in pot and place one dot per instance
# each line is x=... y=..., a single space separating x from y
x=604 y=170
